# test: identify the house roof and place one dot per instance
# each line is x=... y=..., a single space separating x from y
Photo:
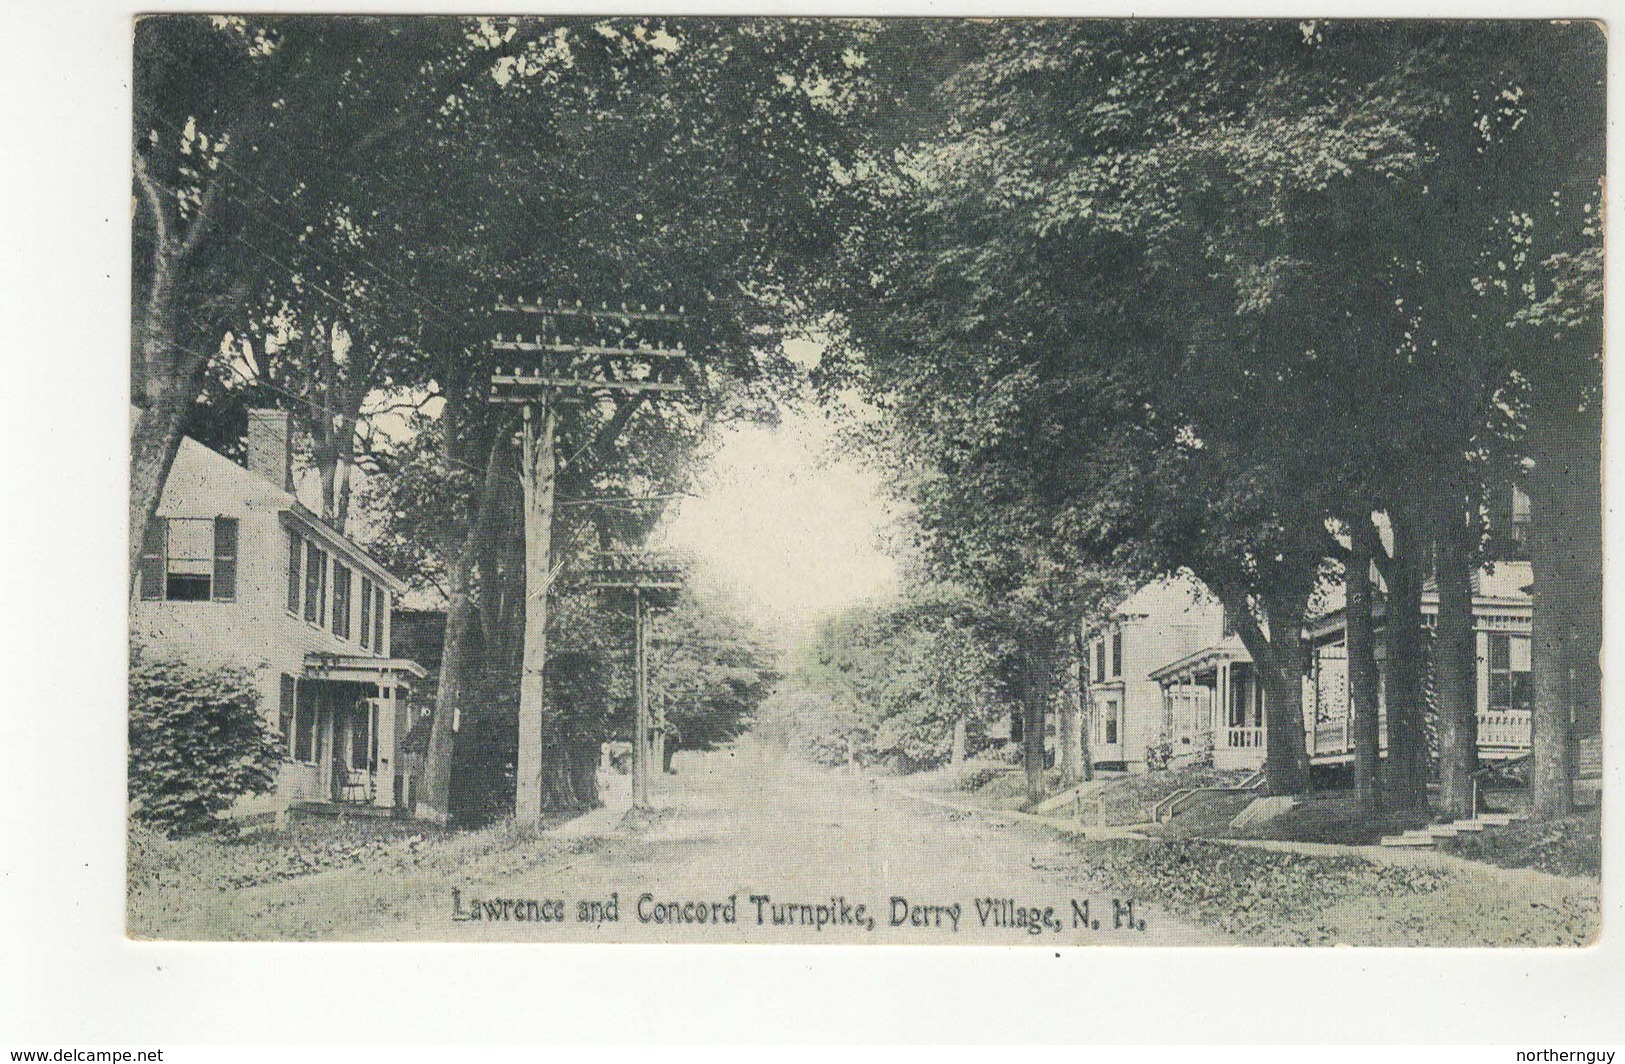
x=1231 y=648
x=1167 y=596
x=1500 y=583
x=202 y=482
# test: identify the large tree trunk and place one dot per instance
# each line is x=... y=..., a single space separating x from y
x=1071 y=740
x=1035 y=689
x=1286 y=758
x=459 y=670
x=166 y=376
x=155 y=438
x=956 y=750
x=1278 y=659
x=1085 y=705
x=1407 y=765
x=1362 y=665
x=1455 y=658
x=456 y=678
x=538 y=479
x=1566 y=552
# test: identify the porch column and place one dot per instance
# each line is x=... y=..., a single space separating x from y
x=383 y=791
x=1222 y=736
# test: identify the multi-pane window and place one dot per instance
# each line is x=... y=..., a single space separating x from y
x=1117 y=653
x=189 y=559
x=380 y=610
x=1100 y=659
x=366 y=612
x=1111 y=720
x=1509 y=672
x=341 y=600
x=315 y=584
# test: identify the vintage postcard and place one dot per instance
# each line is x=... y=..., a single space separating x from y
x=1047 y=482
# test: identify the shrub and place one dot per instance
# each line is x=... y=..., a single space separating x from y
x=197 y=743
x=1158 y=754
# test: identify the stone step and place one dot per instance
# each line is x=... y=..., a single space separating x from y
x=1408 y=839
x=1498 y=819
x=1468 y=825
x=1441 y=831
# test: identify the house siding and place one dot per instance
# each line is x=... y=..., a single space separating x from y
x=255 y=631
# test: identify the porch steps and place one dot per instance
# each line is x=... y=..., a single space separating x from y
x=1427 y=836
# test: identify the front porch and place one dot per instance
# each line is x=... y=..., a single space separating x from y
x=1503 y=731
x=343 y=730
x=1213 y=697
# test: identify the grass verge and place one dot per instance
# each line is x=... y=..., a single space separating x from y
x=1568 y=847
x=1267 y=897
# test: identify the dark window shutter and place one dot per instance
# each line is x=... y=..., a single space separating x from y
x=284 y=712
x=225 y=559
x=154 y=560
x=304 y=729
x=296 y=570
x=366 y=612
x=378 y=620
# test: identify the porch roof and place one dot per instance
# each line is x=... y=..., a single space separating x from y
x=362 y=668
x=1231 y=649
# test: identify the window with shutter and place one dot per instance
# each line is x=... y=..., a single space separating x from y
x=225 y=559
x=315 y=584
x=189 y=568
x=304 y=727
x=286 y=699
x=379 y=610
x=1117 y=654
x=341 y=600
x=366 y=612
x=296 y=570
x=154 y=564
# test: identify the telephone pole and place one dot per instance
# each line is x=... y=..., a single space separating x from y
x=651 y=582
x=565 y=354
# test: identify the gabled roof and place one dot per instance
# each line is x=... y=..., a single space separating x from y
x=1168 y=597
x=1499 y=583
x=1231 y=648
x=202 y=482
x=201 y=473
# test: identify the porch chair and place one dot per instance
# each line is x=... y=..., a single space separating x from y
x=357 y=786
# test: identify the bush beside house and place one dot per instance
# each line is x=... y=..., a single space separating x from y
x=198 y=742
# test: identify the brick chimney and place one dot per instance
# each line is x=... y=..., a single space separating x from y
x=270 y=448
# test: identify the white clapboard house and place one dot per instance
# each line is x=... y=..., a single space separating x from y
x=234 y=570
x=1167 y=666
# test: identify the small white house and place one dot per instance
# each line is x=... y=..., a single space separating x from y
x=234 y=570
x=1212 y=695
x=1163 y=621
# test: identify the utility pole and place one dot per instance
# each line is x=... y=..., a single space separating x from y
x=651 y=582
x=567 y=354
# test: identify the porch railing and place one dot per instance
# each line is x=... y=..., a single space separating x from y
x=1504 y=727
x=1331 y=737
x=1243 y=738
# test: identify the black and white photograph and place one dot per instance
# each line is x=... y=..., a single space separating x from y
x=867 y=481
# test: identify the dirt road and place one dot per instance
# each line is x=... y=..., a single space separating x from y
x=744 y=846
